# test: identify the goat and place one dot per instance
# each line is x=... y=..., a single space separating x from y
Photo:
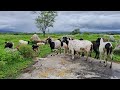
x=106 y=49
x=96 y=45
x=54 y=44
x=78 y=46
x=35 y=47
x=39 y=44
x=9 y=45
x=24 y=42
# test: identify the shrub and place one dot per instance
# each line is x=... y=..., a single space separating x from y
x=76 y=31
x=10 y=57
x=27 y=52
x=117 y=52
x=86 y=33
x=2 y=63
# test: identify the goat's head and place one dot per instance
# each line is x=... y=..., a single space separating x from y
x=48 y=40
x=98 y=40
x=66 y=40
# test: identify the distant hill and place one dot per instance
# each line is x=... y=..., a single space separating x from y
x=94 y=32
x=109 y=32
x=7 y=31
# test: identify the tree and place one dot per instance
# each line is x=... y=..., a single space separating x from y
x=45 y=20
x=76 y=31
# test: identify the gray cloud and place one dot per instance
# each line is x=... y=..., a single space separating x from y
x=89 y=20
x=24 y=21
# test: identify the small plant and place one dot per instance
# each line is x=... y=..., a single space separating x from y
x=26 y=51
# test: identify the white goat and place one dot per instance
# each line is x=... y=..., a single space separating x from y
x=80 y=46
x=39 y=44
x=23 y=42
x=105 y=49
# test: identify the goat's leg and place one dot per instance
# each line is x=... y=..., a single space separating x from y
x=87 y=56
x=60 y=50
x=72 y=54
x=64 y=51
x=105 y=58
x=100 y=57
x=67 y=50
x=105 y=62
x=90 y=54
x=95 y=55
x=111 y=57
x=82 y=54
x=79 y=54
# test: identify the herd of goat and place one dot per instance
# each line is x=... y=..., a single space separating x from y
x=103 y=49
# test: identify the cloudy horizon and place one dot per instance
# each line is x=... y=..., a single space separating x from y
x=24 y=21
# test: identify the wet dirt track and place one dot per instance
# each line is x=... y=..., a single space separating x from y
x=62 y=67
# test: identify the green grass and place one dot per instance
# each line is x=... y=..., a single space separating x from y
x=44 y=50
x=12 y=65
x=12 y=70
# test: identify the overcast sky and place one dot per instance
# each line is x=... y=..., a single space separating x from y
x=24 y=21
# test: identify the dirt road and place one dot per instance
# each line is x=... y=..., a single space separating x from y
x=62 y=67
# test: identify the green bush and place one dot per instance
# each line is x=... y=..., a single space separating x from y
x=86 y=33
x=27 y=52
x=2 y=63
x=117 y=52
x=10 y=57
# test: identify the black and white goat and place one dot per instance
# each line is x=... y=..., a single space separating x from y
x=106 y=49
x=57 y=44
x=9 y=45
x=96 y=45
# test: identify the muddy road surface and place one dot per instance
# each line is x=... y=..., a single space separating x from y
x=63 y=67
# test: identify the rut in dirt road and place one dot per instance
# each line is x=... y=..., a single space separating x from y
x=62 y=67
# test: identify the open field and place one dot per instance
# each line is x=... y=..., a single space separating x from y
x=11 y=67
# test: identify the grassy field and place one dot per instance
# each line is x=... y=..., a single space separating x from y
x=11 y=64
